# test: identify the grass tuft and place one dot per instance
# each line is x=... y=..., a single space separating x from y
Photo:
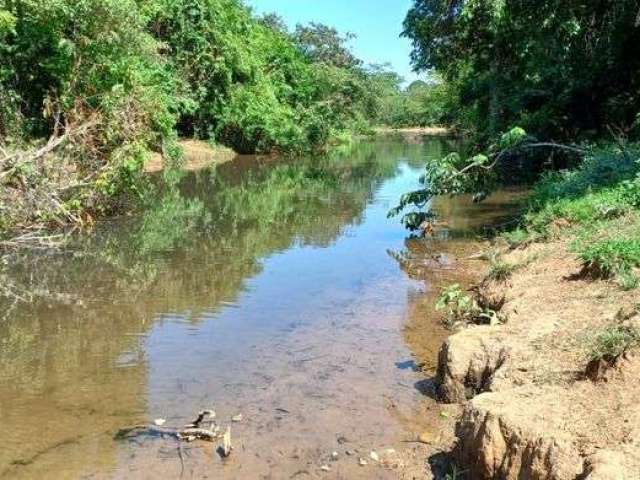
x=628 y=281
x=517 y=237
x=501 y=271
x=614 y=341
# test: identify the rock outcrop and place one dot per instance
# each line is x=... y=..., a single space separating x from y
x=469 y=363
x=531 y=412
x=495 y=445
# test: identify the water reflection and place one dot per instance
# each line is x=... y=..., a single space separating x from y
x=94 y=350
x=263 y=286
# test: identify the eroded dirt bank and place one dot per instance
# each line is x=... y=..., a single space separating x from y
x=531 y=411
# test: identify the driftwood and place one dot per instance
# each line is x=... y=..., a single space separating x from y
x=195 y=430
x=190 y=434
x=226 y=443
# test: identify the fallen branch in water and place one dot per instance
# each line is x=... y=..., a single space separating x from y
x=190 y=432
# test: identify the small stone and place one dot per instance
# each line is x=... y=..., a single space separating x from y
x=334 y=456
x=349 y=452
x=159 y=421
x=226 y=443
x=425 y=437
x=362 y=462
x=374 y=456
x=237 y=418
x=325 y=468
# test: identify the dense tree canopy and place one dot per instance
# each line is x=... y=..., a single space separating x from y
x=559 y=68
x=116 y=80
x=213 y=69
x=523 y=78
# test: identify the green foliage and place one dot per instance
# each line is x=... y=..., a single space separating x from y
x=602 y=167
x=559 y=69
x=604 y=187
x=597 y=203
x=610 y=256
x=628 y=280
x=463 y=309
x=323 y=44
x=421 y=104
x=512 y=138
x=517 y=237
x=500 y=271
x=142 y=73
x=448 y=175
x=455 y=473
x=613 y=341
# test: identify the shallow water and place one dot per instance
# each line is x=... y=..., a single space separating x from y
x=278 y=290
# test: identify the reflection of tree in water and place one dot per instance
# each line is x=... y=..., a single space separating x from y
x=74 y=355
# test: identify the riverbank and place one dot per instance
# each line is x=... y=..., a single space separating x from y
x=428 y=131
x=197 y=154
x=536 y=408
x=53 y=194
x=549 y=388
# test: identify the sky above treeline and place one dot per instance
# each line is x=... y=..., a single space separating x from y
x=377 y=24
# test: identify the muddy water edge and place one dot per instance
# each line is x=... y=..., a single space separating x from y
x=273 y=289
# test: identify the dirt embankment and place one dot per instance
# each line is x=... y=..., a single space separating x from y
x=530 y=410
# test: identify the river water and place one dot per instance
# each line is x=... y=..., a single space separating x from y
x=274 y=289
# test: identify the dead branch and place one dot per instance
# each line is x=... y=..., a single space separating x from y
x=53 y=143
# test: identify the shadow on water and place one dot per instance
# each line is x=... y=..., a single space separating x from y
x=262 y=285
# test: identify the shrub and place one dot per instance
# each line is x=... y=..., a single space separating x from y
x=628 y=280
x=501 y=270
x=613 y=341
x=462 y=309
x=612 y=256
x=517 y=237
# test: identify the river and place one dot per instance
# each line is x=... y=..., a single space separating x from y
x=274 y=289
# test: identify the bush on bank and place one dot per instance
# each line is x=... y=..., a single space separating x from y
x=101 y=84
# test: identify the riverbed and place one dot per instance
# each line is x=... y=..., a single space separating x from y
x=277 y=290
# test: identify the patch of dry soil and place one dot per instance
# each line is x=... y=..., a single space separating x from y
x=531 y=413
x=197 y=155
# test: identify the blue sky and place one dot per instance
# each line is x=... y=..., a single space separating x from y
x=377 y=24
